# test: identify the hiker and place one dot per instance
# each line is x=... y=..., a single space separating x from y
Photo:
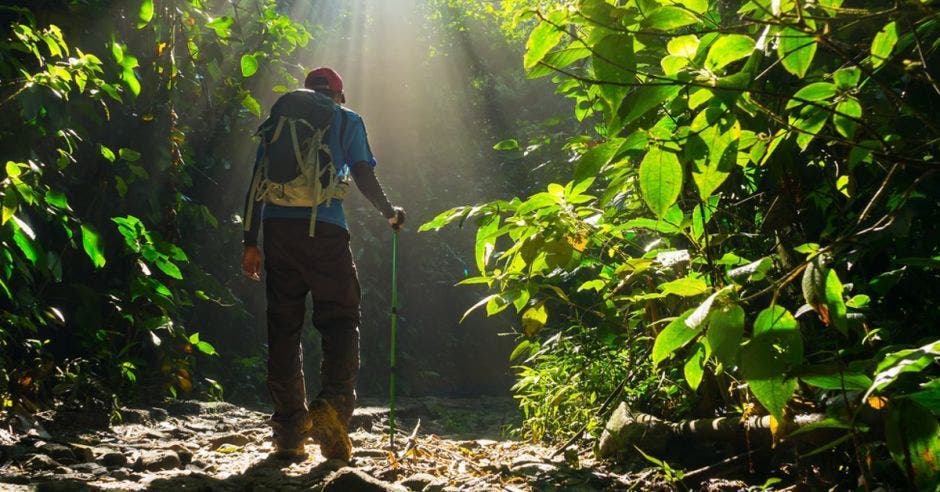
x=310 y=147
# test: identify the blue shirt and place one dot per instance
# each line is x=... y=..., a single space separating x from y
x=346 y=150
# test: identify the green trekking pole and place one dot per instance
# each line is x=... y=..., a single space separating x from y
x=391 y=355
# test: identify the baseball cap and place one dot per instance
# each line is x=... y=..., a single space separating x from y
x=324 y=78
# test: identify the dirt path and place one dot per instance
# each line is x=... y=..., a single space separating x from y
x=220 y=446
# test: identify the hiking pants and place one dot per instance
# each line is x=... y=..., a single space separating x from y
x=296 y=264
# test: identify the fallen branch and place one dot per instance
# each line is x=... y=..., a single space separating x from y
x=411 y=441
x=627 y=429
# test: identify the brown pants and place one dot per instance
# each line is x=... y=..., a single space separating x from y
x=296 y=264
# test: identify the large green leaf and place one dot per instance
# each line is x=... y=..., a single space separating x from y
x=775 y=349
x=668 y=18
x=883 y=44
x=728 y=48
x=817 y=91
x=672 y=338
x=249 y=65
x=642 y=100
x=713 y=149
x=556 y=60
x=543 y=38
x=145 y=13
x=694 y=367
x=533 y=319
x=614 y=62
x=845 y=118
x=725 y=329
x=685 y=287
x=91 y=242
x=796 y=50
x=835 y=302
x=660 y=180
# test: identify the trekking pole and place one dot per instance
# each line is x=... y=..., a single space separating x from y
x=391 y=355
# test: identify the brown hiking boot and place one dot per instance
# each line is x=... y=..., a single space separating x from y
x=329 y=432
x=289 y=450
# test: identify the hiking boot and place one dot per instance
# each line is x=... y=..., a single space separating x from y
x=329 y=432
x=289 y=450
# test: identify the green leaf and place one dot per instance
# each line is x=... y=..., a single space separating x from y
x=508 y=144
x=486 y=241
x=694 y=367
x=249 y=64
x=523 y=347
x=660 y=180
x=614 y=61
x=844 y=119
x=169 y=268
x=752 y=272
x=543 y=38
x=725 y=330
x=672 y=338
x=835 y=303
x=534 y=318
x=25 y=243
x=913 y=436
x=713 y=149
x=145 y=14
x=668 y=18
x=901 y=362
x=837 y=381
x=12 y=169
x=775 y=349
x=57 y=199
x=91 y=242
x=883 y=44
x=817 y=91
x=796 y=50
x=810 y=122
x=106 y=153
x=728 y=48
x=206 y=348
x=222 y=26
x=642 y=100
x=592 y=161
x=847 y=78
x=129 y=155
x=683 y=46
x=557 y=60
x=252 y=105
x=685 y=287
x=130 y=79
x=10 y=206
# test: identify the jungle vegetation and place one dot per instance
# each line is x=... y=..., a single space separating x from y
x=701 y=207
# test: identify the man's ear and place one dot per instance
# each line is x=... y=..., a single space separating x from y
x=342 y=98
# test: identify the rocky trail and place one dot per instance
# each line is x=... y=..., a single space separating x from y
x=191 y=445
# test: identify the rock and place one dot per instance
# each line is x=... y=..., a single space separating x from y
x=352 y=480
x=626 y=429
x=41 y=462
x=180 y=408
x=91 y=468
x=421 y=482
x=111 y=458
x=158 y=414
x=59 y=452
x=186 y=456
x=68 y=485
x=134 y=416
x=232 y=438
x=158 y=460
x=219 y=407
x=83 y=453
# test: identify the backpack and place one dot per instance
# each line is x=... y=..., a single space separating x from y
x=297 y=168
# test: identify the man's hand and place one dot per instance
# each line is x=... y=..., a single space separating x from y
x=251 y=262
x=398 y=219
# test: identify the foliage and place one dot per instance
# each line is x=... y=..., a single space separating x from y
x=736 y=149
x=101 y=139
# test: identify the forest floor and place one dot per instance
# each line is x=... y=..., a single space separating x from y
x=190 y=445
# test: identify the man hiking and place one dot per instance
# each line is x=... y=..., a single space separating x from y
x=310 y=146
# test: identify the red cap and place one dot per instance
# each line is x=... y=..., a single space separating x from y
x=324 y=78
